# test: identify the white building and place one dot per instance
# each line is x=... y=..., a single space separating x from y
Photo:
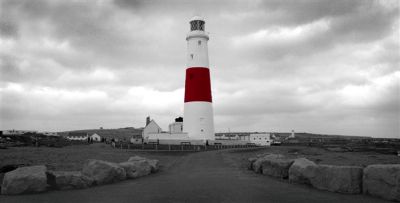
x=152 y=127
x=153 y=132
x=49 y=133
x=77 y=136
x=292 y=135
x=95 y=137
x=167 y=136
x=263 y=139
x=17 y=132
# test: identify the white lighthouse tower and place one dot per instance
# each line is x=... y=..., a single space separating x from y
x=198 y=119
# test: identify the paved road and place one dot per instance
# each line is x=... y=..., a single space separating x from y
x=198 y=177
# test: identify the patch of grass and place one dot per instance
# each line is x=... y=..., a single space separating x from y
x=71 y=158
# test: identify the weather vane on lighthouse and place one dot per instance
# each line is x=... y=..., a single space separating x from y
x=198 y=119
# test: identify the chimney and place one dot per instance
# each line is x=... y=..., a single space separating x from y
x=147 y=120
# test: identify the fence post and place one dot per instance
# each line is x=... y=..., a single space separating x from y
x=142 y=146
x=156 y=147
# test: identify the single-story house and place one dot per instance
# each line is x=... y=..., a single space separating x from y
x=95 y=137
x=80 y=136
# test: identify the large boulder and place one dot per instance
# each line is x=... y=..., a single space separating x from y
x=257 y=164
x=135 y=169
x=25 y=180
x=341 y=179
x=103 y=172
x=382 y=181
x=301 y=171
x=69 y=180
x=154 y=164
x=250 y=162
x=276 y=167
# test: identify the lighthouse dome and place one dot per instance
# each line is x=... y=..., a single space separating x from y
x=197 y=18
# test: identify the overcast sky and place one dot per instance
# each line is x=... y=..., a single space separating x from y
x=316 y=66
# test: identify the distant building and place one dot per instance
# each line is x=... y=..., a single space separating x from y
x=49 y=133
x=292 y=135
x=263 y=139
x=227 y=136
x=136 y=140
x=79 y=136
x=258 y=138
x=18 y=132
x=152 y=127
x=95 y=137
x=153 y=132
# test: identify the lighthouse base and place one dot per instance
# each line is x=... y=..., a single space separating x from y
x=198 y=120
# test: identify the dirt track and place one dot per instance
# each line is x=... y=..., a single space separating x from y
x=199 y=177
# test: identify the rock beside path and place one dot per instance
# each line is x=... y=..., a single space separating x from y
x=69 y=180
x=276 y=167
x=35 y=179
x=25 y=180
x=136 y=169
x=257 y=164
x=154 y=164
x=302 y=170
x=341 y=179
x=382 y=181
x=250 y=162
x=103 y=172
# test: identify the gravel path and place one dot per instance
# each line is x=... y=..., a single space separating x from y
x=212 y=176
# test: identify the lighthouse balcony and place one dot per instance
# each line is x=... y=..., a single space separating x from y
x=197 y=34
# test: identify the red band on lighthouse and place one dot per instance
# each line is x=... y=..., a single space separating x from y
x=198 y=85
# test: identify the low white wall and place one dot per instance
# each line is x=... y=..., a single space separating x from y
x=167 y=136
x=177 y=141
x=228 y=142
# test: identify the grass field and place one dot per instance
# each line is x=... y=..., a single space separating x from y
x=71 y=158
x=321 y=156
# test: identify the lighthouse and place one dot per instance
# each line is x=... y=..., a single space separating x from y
x=198 y=119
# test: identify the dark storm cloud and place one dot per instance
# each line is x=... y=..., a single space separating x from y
x=8 y=28
x=273 y=63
